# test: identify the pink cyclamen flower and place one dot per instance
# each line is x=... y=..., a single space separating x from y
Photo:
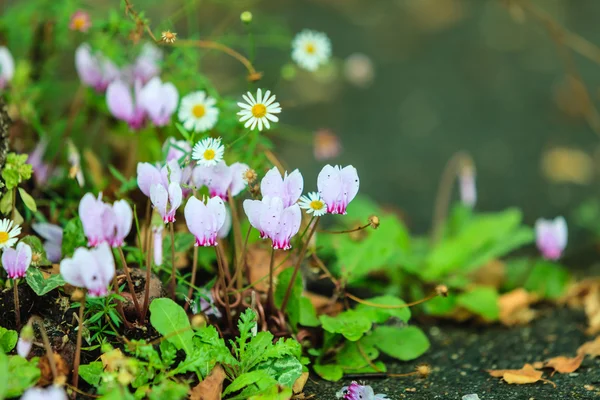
x=49 y=393
x=41 y=170
x=125 y=106
x=94 y=70
x=16 y=261
x=205 y=304
x=148 y=174
x=337 y=187
x=359 y=392
x=80 y=21
x=468 y=191
x=221 y=178
x=90 y=269
x=103 y=222
x=166 y=200
x=273 y=220
x=157 y=243
x=24 y=347
x=326 y=145
x=224 y=231
x=7 y=67
x=159 y=100
x=205 y=220
x=288 y=188
x=551 y=237
x=146 y=65
x=176 y=149
x=53 y=235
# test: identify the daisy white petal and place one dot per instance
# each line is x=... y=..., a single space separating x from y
x=198 y=111
x=258 y=113
x=311 y=49
x=208 y=151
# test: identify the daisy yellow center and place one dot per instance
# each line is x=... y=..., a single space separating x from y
x=259 y=110
x=310 y=48
x=316 y=204
x=3 y=237
x=198 y=110
x=79 y=23
x=209 y=154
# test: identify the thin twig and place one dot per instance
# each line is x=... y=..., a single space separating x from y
x=78 y=348
x=16 y=300
x=193 y=279
x=130 y=283
x=173 y=282
x=150 y=249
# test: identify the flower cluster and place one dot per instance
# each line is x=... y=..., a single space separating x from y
x=103 y=222
x=221 y=179
x=163 y=186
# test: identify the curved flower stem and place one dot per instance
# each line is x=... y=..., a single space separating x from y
x=193 y=279
x=119 y=303
x=130 y=283
x=49 y=352
x=239 y=267
x=78 y=348
x=148 y=277
x=237 y=234
x=270 y=302
x=360 y=228
x=173 y=282
x=17 y=308
x=444 y=193
x=391 y=307
x=204 y=44
x=73 y=388
x=224 y=287
x=144 y=246
x=288 y=291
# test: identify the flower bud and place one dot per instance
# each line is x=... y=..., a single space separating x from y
x=246 y=17
x=441 y=290
x=374 y=221
x=198 y=321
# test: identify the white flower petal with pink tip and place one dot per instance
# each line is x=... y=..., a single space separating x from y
x=288 y=188
x=159 y=100
x=90 y=269
x=7 y=67
x=205 y=220
x=24 y=347
x=147 y=174
x=253 y=210
x=94 y=69
x=124 y=218
x=16 y=261
x=48 y=393
x=551 y=237
x=91 y=209
x=338 y=187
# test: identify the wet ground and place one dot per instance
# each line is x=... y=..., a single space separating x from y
x=460 y=354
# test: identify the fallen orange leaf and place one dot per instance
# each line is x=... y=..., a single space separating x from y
x=211 y=387
x=565 y=365
x=586 y=294
x=590 y=348
x=522 y=376
x=514 y=307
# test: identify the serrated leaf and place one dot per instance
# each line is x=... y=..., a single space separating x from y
x=171 y=321
x=351 y=324
x=11 y=178
x=27 y=200
x=247 y=379
x=40 y=284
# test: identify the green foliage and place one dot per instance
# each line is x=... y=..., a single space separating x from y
x=16 y=170
x=171 y=321
x=92 y=372
x=73 y=237
x=293 y=305
x=547 y=279
x=352 y=324
x=8 y=339
x=38 y=250
x=41 y=285
x=22 y=374
x=403 y=343
x=380 y=315
x=482 y=301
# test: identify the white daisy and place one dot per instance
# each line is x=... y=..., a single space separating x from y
x=313 y=204
x=197 y=112
x=259 y=112
x=8 y=233
x=311 y=49
x=208 y=152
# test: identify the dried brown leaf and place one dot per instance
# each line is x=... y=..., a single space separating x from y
x=491 y=274
x=591 y=348
x=211 y=387
x=300 y=382
x=565 y=365
x=522 y=376
x=514 y=307
x=586 y=294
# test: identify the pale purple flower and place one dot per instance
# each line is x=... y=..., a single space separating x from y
x=146 y=65
x=288 y=188
x=94 y=69
x=551 y=237
x=205 y=220
x=103 y=222
x=91 y=210
x=468 y=191
x=124 y=105
x=90 y=269
x=121 y=216
x=7 y=67
x=16 y=261
x=24 y=347
x=205 y=303
x=148 y=174
x=80 y=21
x=224 y=231
x=41 y=170
x=359 y=392
x=166 y=200
x=221 y=178
x=157 y=232
x=337 y=187
x=49 y=393
x=53 y=235
x=273 y=220
x=159 y=100
x=176 y=149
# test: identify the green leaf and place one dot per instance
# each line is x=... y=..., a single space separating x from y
x=40 y=284
x=329 y=372
x=381 y=315
x=350 y=357
x=91 y=372
x=3 y=375
x=37 y=248
x=6 y=202
x=274 y=393
x=23 y=375
x=73 y=237
x=406 y=343
x=8 y=339
x=184 y=241
x=482 y=301
x=171 y=321
x=11 y=178
x=27 y=200
x=247 y=379
x=168 y=352
x=308 y=314
x=183 y=132
x=293 y=305
x=351 y=324
x=548 y=280
x=285 y=369
x=169 y=390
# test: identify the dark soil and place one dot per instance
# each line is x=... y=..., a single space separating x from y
x=460 y=354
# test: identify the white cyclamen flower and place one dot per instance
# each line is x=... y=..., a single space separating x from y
x=260 y=111
x=197 y=112
x=311 y=49
x=208 y=152
x=7 y=67
x=8 y=233
x=313 y=204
